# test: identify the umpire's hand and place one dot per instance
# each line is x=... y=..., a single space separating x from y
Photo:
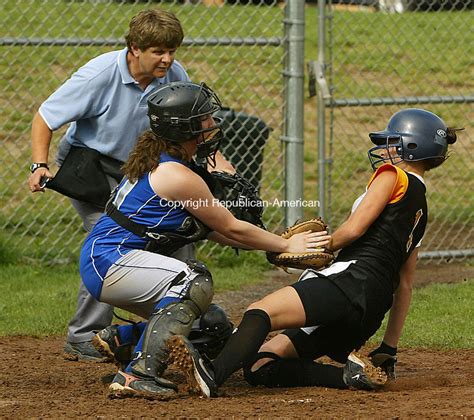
x=35 y=180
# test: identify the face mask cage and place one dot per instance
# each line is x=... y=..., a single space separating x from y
x=391 y=151
x=208 y=148
x=198 y=112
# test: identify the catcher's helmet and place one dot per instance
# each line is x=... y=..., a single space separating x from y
x=214 y=330
x=176 y=111
x=415 y=133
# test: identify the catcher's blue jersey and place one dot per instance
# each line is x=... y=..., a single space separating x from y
x=108 y=241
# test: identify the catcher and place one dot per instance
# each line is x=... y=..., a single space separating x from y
x=334 y=311
x=162 y=204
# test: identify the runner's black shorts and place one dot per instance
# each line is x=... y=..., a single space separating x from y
x=338 y=320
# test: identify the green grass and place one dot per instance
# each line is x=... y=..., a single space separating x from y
x=105 y=19
x=440 y=316
x=39 y=300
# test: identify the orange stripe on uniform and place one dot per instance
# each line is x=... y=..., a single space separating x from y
x=401 y=184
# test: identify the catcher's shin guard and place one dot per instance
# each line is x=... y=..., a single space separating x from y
x=174 y=319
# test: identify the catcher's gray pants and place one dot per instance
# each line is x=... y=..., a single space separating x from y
x=140 y=279
x=92 y=316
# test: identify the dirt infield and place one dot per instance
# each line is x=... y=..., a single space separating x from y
x=36 y=381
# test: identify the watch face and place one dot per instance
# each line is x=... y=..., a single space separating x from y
x=35 y=166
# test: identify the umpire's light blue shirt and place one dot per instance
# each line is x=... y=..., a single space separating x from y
x=105 y=105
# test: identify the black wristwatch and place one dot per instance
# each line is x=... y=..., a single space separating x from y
x=35 y=166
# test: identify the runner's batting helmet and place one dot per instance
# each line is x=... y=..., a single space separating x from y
x=415 y=133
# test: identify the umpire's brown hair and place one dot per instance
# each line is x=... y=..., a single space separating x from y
x=153 y=28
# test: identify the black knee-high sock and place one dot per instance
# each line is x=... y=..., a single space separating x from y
x=242 y=344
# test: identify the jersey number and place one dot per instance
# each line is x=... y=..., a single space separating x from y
x=418 y=215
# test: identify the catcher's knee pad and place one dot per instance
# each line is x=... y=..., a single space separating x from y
x=201 y=288
x=264 y=375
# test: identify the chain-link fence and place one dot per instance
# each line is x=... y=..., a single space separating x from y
x=373 y=58
x=236 y=47
x=377 y=58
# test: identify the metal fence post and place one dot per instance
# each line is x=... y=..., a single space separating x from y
x=322 y=95
x=293 y=134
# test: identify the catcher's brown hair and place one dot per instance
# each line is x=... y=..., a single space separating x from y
x=145 y=155
x=153 y=28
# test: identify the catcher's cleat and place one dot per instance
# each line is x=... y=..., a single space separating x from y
x=106 y=341
x=126 y=385
x=84 y=351
x=185 y=357
x=386 y=362
x=360 y=373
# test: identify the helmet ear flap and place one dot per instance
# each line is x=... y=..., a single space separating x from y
x=441 y=138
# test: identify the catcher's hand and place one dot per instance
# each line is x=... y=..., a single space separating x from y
x=316 y=259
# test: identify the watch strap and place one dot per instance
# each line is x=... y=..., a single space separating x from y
x=37 y=165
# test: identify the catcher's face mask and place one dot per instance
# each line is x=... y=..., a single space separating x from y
x=210 y=139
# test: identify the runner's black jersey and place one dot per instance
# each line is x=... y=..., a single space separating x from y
x=389 y=241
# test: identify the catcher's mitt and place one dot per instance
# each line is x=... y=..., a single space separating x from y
x=239 y=196
x=317 y=259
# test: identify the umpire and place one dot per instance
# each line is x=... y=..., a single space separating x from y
x=105 y=104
